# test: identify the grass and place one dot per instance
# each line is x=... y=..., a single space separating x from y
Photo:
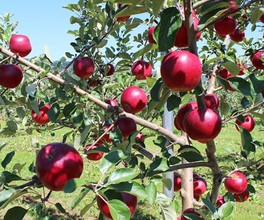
x=228 y=146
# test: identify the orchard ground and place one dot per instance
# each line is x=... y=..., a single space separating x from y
x=228 y=142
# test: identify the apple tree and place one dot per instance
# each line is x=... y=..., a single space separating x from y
x=134 y=63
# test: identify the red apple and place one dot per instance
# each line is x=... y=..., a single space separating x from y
x=220 y=201
x=262 y=18
x=225 y=26
x=141 y=69
x=83 y=67
x=95 y=155
x=110 y=69
x=122 y=18
x=11 y=75
x=57 y=163
x=133 y=99
x=181 y=38
x=177 y=182
x=248 y=123
x=112 y=102
x=199 y=186
x=20 y=44
x=225 y=74
x=126 y=125
x=181 y=70
x=256 y=60
x=129 y=199
x=150 y=35
x=241 y=197
x=202 y=124
x=236 y=183
x=184 y=109
x=43 y=117
x=211 y=101
x=242 y=67
x=140 y=137
x=237 y=35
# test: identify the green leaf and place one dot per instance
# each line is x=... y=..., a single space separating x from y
x=190 y=153
x=111 y=159
x=119 y=210
x=156 y=89
x=242 y=86
x=8 y=177
x=122 y=175
x=2 y=144
x=54 y=112
x=69 y=109
x=87 y=207
x=247 y=142
x=12 y=125
x=144 y=50
x=70 y=186
x=156 y=6
x=30 y=89
x=60 y=208
x=224 y=107
x=231 y=66
x=80 y=197
x=8 y=159
x=257 y=82
x=16 y=213
x=226 y=209
x=151 y=191
x=167 y=183
x=167 y=207
x=9 y=195
x=160 y=164
x=173 y=102
x=165 y=31
x=211 y=6
x=132 y=187
x=209 y=205
x=255 y=14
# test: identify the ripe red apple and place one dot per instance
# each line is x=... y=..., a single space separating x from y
x=262 y=18
x=141 y=69
x=181 y=38
x=184 y=109
x=220 y=201
x=95 y=155
x=110 y=69
x=248 y=123
x=140 y=137
x=57 y=163
x=202 y=124
x=83 y=67
x=20 y=44
x=11 y=75
x=126 y=125
x=181 y=70
x=199 y=186
x=211 y=101
x=237 y=35
x=43 y=117
x=112 y=102
x=129 y=199
x=256 y=60
x=122 y=18
x=133 y=99
x=225 y=26
x=236 y=183
x=225 y=74
x=177 y=182
x=150 y=35
x=241 y=197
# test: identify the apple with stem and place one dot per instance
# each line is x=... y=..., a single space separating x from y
x=177 y=73
x=126 y=125
x=20 y=44
x=248 y=123
x=241 y=197
x=43 y=117
x=93 y=155
x=56 y=163
x=236 y=182
x=133 y=99
x=141 y=69
x=211 y=101
x=225 y=26
x=83 y=67
x=11 y=75
x=108 y=70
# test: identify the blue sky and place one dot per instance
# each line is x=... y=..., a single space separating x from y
x=45 y=22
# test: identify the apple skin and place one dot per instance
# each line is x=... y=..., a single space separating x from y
x=150 y=35
x=141 y=69
x=199 y=186
x=262 y=18
x=181 y=70
x=211 y=101
x=83 y=67
x=225 y=74
x=112 y=102
x=242 y=197
x=225 y=26
x=43 y=118
x=20 y=44
x=96 y=155
x=110 y=69
x=126 y=125
x=11 y=75
x=202 y=124
x=184 y=109
x=133 y=99
x=220 y=201
x=236 y=183
x=140 y=137
x=56 y=163
x=122 y=18
x=237 y=35
x=129 y=199
x=181 y=38
x=177 y=182
x=256 y=61
x=248 y=123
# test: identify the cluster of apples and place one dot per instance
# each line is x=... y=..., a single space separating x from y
x=11 y=75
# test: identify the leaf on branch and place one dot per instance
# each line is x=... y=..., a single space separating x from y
x=122 y=175
x=151 y=190
x=80 y=197
x=190 y=153
x=119 y=210
x=16 y=212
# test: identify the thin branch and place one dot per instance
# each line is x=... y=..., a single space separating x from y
x=152 y=126
x=191 y=164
